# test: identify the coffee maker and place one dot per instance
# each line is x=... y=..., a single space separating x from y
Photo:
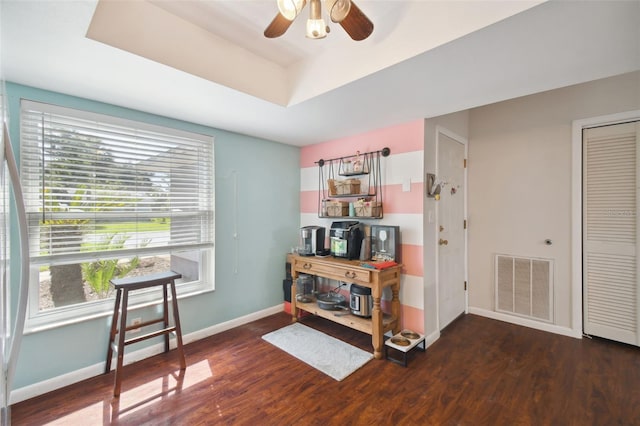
x=346 y=239
x=312 y=240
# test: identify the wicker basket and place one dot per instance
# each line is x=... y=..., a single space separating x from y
x=337 y=208
x=348 y=187
x=333 y=188
x=368 y=208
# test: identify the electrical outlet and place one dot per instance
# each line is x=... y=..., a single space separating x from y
x=136 y=321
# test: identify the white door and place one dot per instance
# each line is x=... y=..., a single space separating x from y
x=611 y=298
x=451 y=234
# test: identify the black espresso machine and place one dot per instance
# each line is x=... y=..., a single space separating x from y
x=346 y=239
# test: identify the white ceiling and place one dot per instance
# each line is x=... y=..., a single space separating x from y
x=207 y=61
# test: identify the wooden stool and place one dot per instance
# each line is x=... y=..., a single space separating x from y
x=123 y=286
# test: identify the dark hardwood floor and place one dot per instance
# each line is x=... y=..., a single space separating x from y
x=480 y=372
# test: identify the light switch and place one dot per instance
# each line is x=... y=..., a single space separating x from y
x=406 y=184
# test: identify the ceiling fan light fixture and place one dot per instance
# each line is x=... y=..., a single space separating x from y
x=316 y=28
x=343 y=12
x=338 y=9
x=290 y=8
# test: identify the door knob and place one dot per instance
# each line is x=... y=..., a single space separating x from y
x=443 y=242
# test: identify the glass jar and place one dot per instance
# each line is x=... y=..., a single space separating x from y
x=305 y=288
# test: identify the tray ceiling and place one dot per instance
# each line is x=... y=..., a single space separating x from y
x=207 y=62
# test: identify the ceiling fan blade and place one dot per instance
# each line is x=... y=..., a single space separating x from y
x=277 y=27
x=356 y=24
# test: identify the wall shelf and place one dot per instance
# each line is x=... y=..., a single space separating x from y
x=361 y=173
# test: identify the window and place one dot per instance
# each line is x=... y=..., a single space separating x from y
x=108 y=198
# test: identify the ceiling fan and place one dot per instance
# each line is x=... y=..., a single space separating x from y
x=343 y=12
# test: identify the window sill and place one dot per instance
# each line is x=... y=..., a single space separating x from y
x=153 y=298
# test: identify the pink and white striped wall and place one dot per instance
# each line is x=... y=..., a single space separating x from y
x=402 y=180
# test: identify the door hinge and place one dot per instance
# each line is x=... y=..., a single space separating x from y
x=465 y=163
x=465 y=286
x=465 y=224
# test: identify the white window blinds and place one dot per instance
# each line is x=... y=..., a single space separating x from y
x=96 y=184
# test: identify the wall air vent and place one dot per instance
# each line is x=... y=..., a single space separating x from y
x=524 y=287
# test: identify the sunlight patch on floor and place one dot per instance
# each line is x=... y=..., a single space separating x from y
x=139 y=398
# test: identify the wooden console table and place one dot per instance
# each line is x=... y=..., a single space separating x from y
x=350 y=271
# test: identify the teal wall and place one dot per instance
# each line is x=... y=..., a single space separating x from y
x=249 y=268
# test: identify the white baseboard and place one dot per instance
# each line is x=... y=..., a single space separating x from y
x=551 y=328
x=40 y=388
x=228 y=325
x=431 y=338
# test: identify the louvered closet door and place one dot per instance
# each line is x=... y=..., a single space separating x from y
x=610 y=232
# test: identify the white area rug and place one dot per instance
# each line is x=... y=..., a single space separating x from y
x=333 y=357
